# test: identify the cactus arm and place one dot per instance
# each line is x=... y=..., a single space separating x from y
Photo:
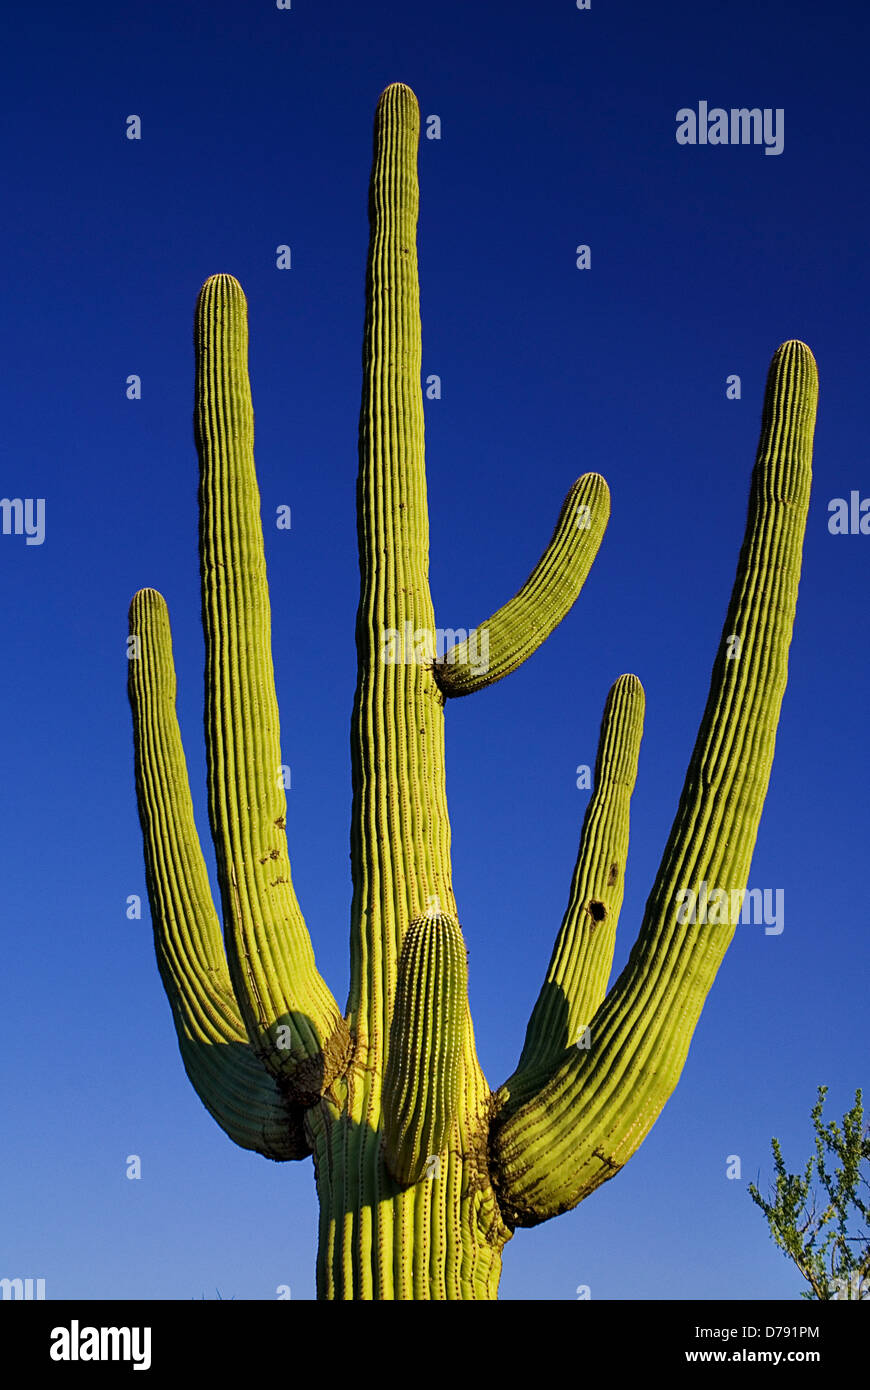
x=524 y=623
x=550 y=1151
x=580 y=965
x=423 y=1073
x=235 y=1088
x=291 y=1018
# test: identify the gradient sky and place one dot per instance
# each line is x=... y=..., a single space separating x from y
x=558 y=128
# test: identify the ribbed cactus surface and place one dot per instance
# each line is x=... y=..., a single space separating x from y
x=423 y=1171
x=423 y=1074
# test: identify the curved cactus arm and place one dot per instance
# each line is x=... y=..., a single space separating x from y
x=248 y=1103
x=501 y=644
x=290 y=1015
x=549 y=1152
x=424 y=1065
x=583 y=954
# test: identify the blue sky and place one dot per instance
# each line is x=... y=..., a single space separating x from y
x=558 y=128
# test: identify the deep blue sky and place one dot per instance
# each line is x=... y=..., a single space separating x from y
x=558 y=127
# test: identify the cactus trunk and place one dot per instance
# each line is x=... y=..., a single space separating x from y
x=441 y=1236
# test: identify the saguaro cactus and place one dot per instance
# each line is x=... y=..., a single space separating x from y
x=422 y=1170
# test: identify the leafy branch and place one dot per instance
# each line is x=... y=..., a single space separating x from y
x=826 y=1234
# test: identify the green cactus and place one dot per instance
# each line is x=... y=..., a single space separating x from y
x=422 y=1171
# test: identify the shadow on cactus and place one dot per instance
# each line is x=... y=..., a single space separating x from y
x=422 y=1170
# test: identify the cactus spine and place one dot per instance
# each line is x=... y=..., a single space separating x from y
x=422 y=1170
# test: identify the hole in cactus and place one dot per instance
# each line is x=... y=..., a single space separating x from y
x=597 y=911
x=613 y=875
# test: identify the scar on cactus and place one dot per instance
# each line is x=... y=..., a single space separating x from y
x=423 y=1171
